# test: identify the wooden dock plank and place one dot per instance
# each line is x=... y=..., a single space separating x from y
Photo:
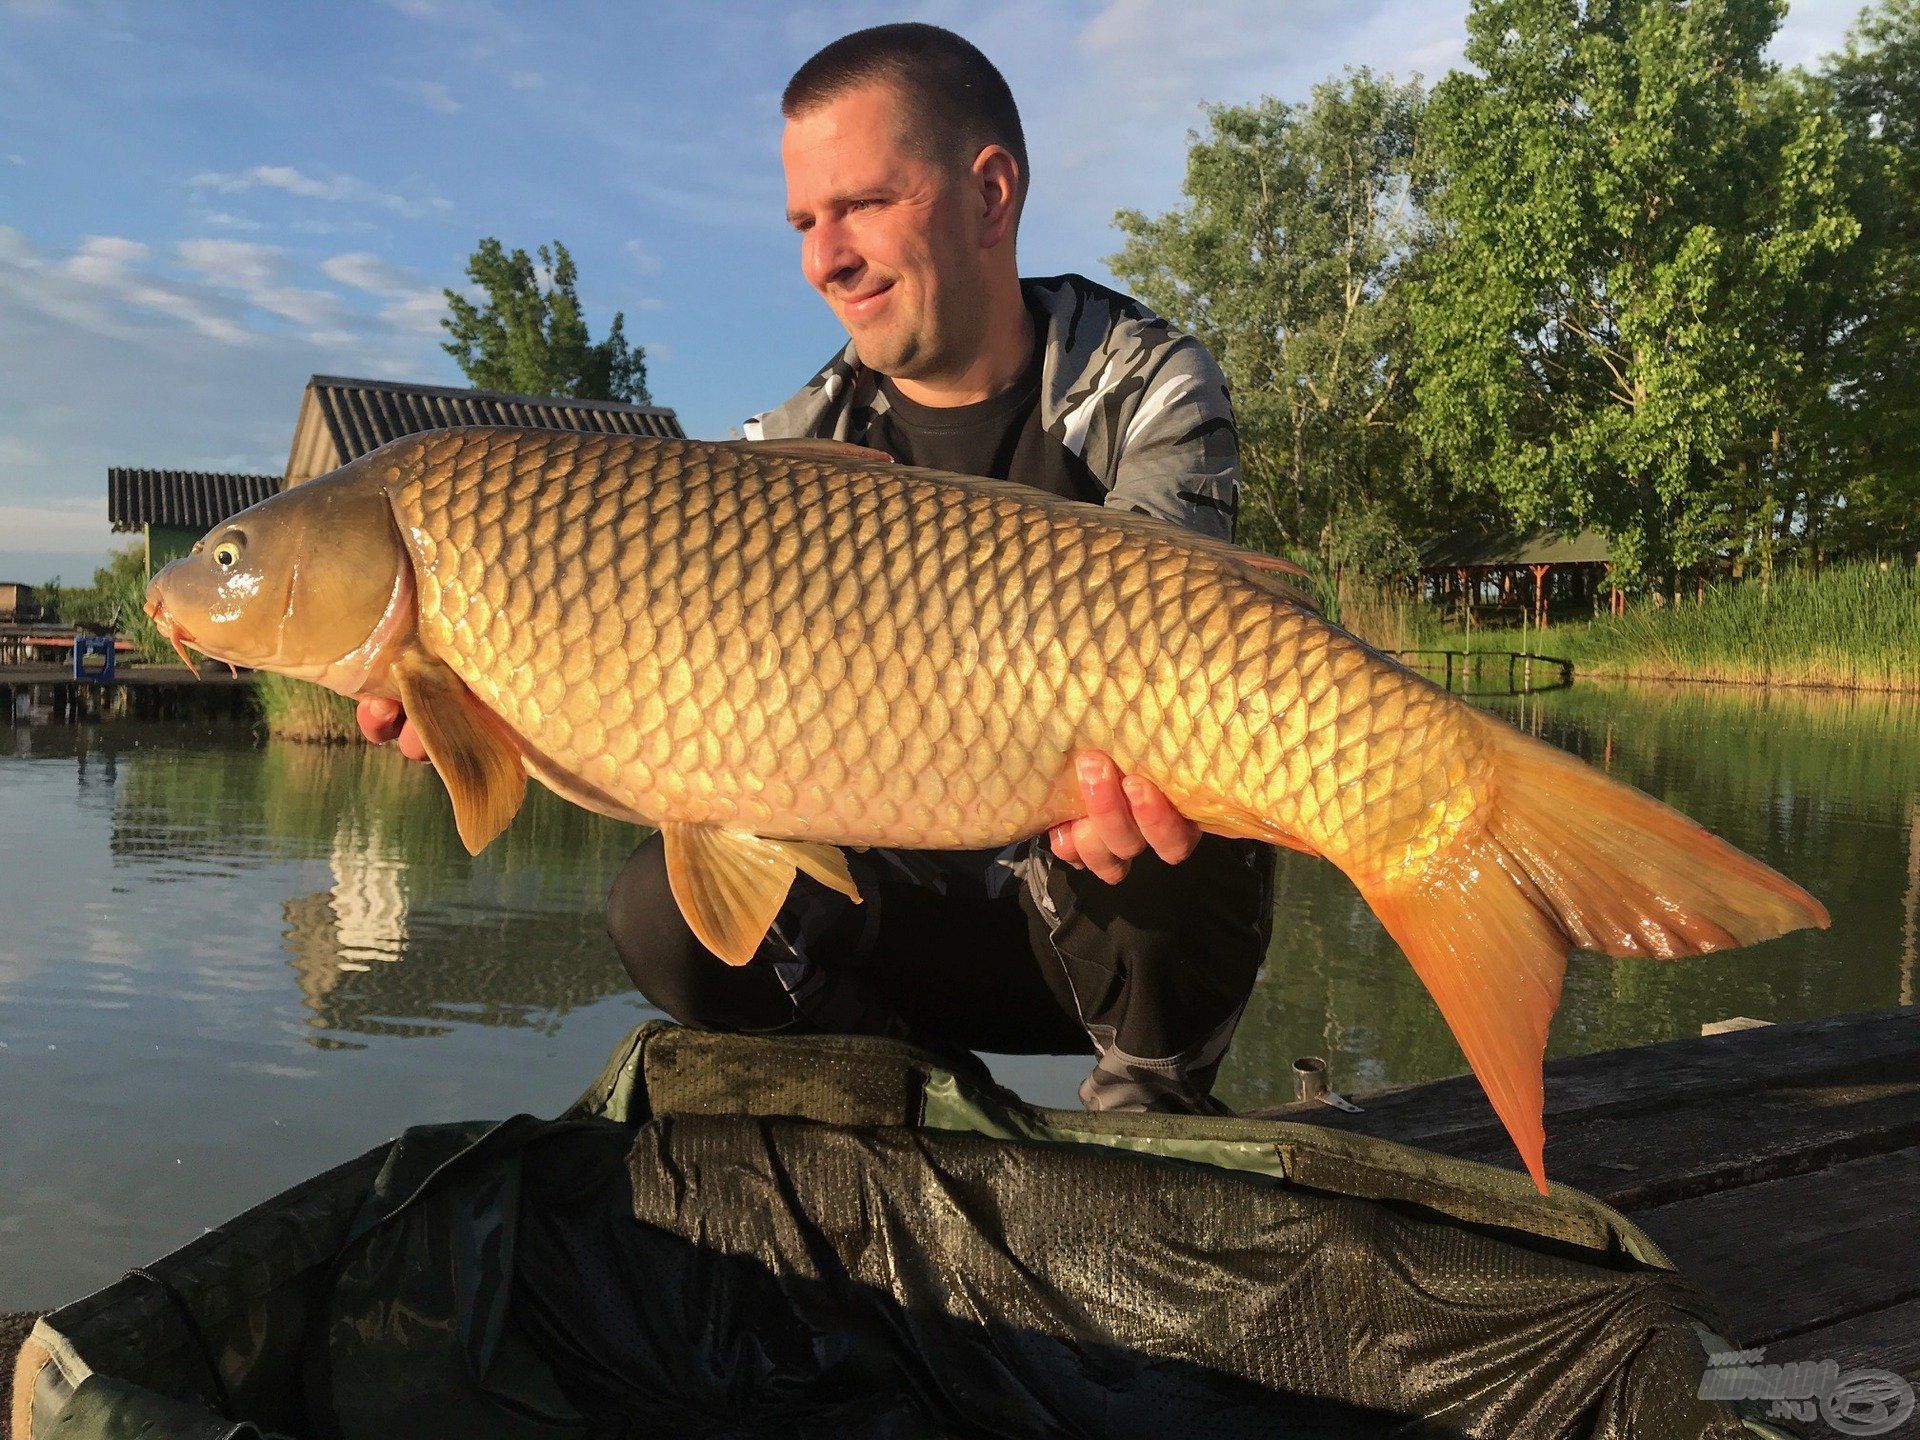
x=1789 y=1255
x=1883 y=1339
x=1699 y=1145
x=1640 y=1076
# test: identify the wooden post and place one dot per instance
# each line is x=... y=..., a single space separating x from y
x=1540 y=573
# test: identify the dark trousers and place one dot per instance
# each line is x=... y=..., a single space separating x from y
x=1150 y=976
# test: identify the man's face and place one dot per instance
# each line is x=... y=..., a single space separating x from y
x=889 y=239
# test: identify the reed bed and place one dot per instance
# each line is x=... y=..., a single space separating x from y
x=299 y=710
x=1852 y=626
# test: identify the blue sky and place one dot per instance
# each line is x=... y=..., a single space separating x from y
x=201 y=205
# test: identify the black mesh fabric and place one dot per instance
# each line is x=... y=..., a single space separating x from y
x=838 y=1237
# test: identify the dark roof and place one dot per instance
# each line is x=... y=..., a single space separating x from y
x=191 y=499
x=363 y=415
x=1538 y=546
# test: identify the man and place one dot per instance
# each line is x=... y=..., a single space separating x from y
x=1126 y=934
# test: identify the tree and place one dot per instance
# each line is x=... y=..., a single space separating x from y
x=1289 y=261
x=530 y=335
x=1874 y=88
x=1633 y=202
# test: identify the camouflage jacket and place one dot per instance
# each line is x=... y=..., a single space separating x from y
x=1141 y=402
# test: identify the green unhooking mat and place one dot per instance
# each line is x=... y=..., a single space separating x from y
x=845 y=1237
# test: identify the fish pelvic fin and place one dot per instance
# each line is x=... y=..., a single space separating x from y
x=730 y=885
x=476 y=755
x=1565 y=858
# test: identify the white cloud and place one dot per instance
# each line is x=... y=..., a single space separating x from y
x=254 y=271
x=433 y=94
x=227 y=220
x=335 y=188
x=112 y=268
x=415 y=307
x=54 y=527
x=644 y=260
x=13 y=159
x=526 y=80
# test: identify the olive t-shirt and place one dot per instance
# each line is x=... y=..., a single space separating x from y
x=1000 y=437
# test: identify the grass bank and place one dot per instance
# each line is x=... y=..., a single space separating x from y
x=299 y=710
x=1852 y=626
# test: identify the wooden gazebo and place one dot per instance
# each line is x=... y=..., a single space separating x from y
x=1538 y=568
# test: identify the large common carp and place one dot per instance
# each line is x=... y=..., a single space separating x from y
x=774 y=651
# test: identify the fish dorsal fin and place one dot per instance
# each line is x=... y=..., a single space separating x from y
x=476 y=755
x=730 y=885
x=808 y=448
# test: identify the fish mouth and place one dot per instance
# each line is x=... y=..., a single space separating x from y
x=178 y=636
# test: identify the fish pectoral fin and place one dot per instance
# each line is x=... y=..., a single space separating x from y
x=730 y=885
x=476 y=755
x=809 y=448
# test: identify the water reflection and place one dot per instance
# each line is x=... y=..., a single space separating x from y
x=226 y=965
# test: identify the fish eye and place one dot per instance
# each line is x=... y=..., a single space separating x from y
x=227 y=553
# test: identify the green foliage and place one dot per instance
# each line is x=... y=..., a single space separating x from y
x=1289 y=260
x=50 y=598
x=300 y=710
x=1873 y=318
x=1854 y=625
x=1634 y=202
x=529 y=336
x=117 y=599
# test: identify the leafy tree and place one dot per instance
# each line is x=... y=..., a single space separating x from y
x=529 y=336
x=1874 y=314
x=1633 y=202
x=48 y=597
x=1289 y=260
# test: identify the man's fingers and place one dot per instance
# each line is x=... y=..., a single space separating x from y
x=411 y=745
x=1172 y=835
x=1109 y=816
x=1091 y=846
x=379 y=719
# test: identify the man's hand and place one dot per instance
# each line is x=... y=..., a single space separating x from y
x=384 y=720
x=1125 y=815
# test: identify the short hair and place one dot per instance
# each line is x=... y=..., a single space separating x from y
x=956 y=102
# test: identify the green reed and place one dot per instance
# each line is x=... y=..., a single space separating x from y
x=299 y=710
x=1856 y=626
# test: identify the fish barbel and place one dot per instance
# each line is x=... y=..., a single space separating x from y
x=774 y=651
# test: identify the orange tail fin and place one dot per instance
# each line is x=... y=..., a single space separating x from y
x=1567 y=858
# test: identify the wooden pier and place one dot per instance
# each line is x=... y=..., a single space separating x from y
x=136 y=692
x=1556 y=673
x=1778 y=1166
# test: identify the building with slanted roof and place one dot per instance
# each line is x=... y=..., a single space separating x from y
x=173 y=508
x=1533 y=569
x=342 y=419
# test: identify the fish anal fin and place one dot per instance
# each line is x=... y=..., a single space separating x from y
x=730 y=885
x=1220 y=816
x=475 y=754
x=810 y=448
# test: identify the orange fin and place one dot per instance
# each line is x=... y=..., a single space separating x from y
x=1220 y=816
x=1566 y=858
x=730 y=885
x=477 y=756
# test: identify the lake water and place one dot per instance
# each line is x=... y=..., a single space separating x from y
x=226 y=965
